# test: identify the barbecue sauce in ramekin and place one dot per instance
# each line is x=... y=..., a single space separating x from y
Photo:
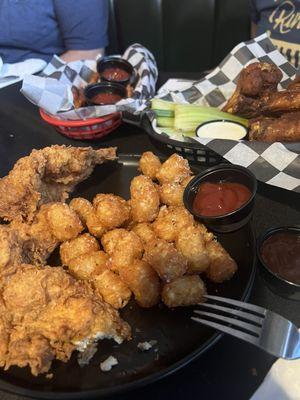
x=281 y=254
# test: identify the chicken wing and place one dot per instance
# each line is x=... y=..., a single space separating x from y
x=45 y=176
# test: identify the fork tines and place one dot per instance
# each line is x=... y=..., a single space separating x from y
x=246 y=324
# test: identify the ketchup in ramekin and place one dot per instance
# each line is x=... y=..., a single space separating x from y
x=220 y=198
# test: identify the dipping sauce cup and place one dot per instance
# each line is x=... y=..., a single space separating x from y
x=115 y=69
x=222 y=174
x=104 y=93
x=278 y=252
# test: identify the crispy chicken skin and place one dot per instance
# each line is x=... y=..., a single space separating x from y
x=277 y=103
x=283 y=129
x=45 y=176
x=256 y=80
x=52 y=322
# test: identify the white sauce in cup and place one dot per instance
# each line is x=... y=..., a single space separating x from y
x=221 y=130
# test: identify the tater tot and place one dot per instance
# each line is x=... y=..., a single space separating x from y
x=82 y=207
x=191 y=244
x=76 y=247
x=112 y=210
x=184 y=291
x=88 y=266
x=64 y=223
x=144 y=231
x=149 y=164
x=174 y=169
x=171 y=194
x=143 y=281
x=222 y=267
x=110 y=239
x=144 y=199
x=112 y=288
x=165 y=259
x=185 y=182
x=170 y=221
x=94 y=225
x=128 y=248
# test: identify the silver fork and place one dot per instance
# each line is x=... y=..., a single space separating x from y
x=263 y=328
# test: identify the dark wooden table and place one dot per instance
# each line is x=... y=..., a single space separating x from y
x=231 y=369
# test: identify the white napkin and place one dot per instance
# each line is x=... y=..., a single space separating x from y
x=281 y=383
x=12 y=73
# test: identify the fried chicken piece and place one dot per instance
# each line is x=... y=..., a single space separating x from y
x=277 y=103
x=170 y=221
x=79 y=99
x=175 y=169
x=60 y=316
x=184 y=291
x=283 y=129
x=149 y=164
x=143 y=281
x=46 y=175
x=221 y=267
x=256 y=80
x=295 y=84
x=111 y=210
x=144 y=199
x=11 y=250
x=144 y=231
x=191 y=244
x=74 y=248
x=165 y=259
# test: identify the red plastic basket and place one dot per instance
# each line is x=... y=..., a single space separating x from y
x=89 y=129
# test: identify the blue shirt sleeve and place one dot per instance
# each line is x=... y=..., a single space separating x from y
x=254 y=14
x=82 y=23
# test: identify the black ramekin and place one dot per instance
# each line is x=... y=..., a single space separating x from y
x=226 y=173
x=103 y=87
x=275 y=282
x=113 y=62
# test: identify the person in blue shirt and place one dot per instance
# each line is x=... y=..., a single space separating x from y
x=281 y=20
x=72 y=29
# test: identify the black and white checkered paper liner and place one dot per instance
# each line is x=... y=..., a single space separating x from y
x=277 y=164
x=52 y=89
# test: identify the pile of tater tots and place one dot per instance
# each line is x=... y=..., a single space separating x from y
x=149 y=246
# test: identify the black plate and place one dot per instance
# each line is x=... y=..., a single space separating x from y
x=169 y=327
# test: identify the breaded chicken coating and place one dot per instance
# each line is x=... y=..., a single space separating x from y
x=165 y=259
x=46 y=175
x=149 y=164
x=144 y=199
x=60 y=316
x=221 y=267
x=143 y=281
x=170 y=221
x=191 y=244
x=174 y=169
x=184 y=291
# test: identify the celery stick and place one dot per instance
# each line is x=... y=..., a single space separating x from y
x=165 y=122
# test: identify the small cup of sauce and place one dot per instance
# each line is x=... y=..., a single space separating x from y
x=278 y=251
x=104 y=93
x=115 y=69
x=222 y=197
